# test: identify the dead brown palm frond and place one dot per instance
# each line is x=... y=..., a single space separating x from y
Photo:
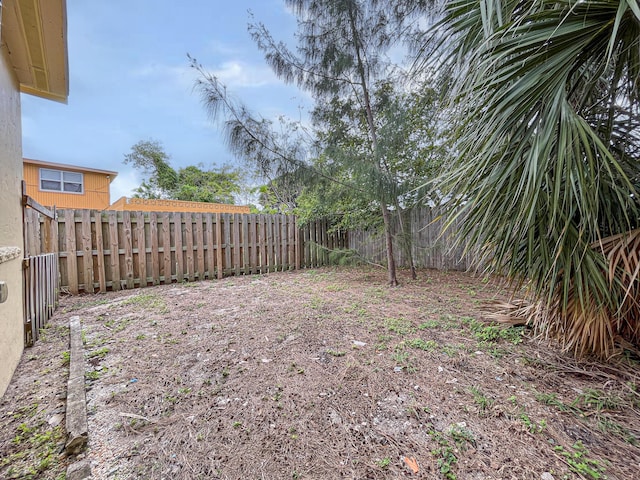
x=589 y=327
x=623 y=255
x=515 y=312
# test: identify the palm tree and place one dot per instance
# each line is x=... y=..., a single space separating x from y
x=548 y=158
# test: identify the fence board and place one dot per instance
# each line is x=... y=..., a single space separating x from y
x=227 y=243
x=219 y=246
x=199 y=247
x=86 y=255
x=188 y=233
x=70 y=246
x=102 y=278
x=210 y=246
x=166 y=248
x=155 y=249
x=253 y=242
x=128 y=249
x=177 y=223
x=141 y=248
x=246 y=269
x=114 y=250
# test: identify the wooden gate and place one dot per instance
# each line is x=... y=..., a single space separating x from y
x=41 y=287
x=40 y=277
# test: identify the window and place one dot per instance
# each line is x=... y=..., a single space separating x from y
x=61 y=181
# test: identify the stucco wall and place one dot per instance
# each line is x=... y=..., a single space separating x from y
x=11 y=329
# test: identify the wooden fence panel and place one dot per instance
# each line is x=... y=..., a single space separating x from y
x=430 y=248
x=152 y=248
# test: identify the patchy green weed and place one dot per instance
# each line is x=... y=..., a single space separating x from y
x=483 y=402
x=399 y=326
x=38 y=448
x=151 y=301
x=580 y=463
x=100 y=353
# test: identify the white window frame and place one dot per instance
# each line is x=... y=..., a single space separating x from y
x=61 y=180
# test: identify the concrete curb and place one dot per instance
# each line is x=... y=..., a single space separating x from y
x=76 y=421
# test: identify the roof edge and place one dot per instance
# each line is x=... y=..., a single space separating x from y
x=67 y=166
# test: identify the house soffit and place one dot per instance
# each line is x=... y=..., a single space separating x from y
x=34 y=32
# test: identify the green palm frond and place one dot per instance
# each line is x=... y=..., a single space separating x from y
x=549 y=94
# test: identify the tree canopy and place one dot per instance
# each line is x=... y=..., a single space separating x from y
x=192 y=183
x=343 y=51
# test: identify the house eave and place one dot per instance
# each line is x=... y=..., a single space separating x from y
x=34 y=33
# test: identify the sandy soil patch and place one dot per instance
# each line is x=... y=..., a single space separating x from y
x=324 y=374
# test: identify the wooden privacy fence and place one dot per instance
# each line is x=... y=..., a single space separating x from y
x=42 y=286
x=40 y=274
x=111 y=250
x=429 y=248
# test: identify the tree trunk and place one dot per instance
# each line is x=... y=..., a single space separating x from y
x=391 y=263
x=407 y=240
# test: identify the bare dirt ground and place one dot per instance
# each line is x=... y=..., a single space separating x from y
x=319 y=374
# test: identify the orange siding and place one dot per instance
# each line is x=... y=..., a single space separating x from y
x=159 y=205
x=96 y=189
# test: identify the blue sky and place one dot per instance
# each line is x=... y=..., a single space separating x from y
x=130 y=80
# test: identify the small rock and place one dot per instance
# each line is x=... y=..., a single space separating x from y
x=55 y=420
x=397 y=369
x=79 y=471
x=499 y=378
x=546 y=476
x=357 y=343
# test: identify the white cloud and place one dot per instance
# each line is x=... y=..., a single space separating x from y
x=238 y=74
x=233 y=73
x=124 y=184
x=180 y=76
x=218 y=48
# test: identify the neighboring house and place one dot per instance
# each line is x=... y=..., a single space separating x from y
x=33 y=59
x=160 y=205
x=67 y=186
